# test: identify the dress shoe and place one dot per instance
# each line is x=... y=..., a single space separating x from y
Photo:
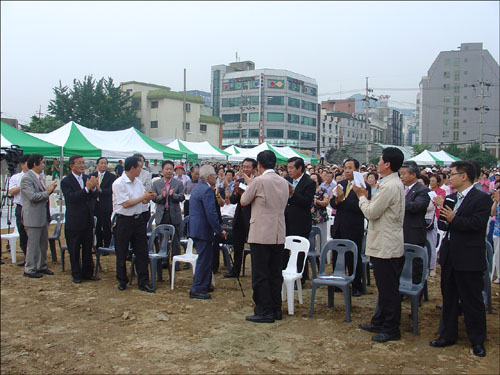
x=199 y=295
x=122 y=286
x=356 y=293
x=479 y=350
x=34 y=275
x=230 y=275
x=21 y=264
x=93 y=278
x=211 y=289
x=384 y=337
x=441 y=343
x=261 y=318
x=77 y=281
x=146 y=288
x=432 y=273
x=46 y=272
x=370 y=327
x=278 y=315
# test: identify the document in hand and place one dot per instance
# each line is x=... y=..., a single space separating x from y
x=432 y=194
x=359 y=181
x=242 y=186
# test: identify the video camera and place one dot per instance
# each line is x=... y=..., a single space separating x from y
x=12 y=155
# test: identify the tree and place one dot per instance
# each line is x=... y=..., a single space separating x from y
x=94 y=104
x=45 y=124
x=337 y=155
x=453 y=149
x=417 y=149
x=484 y=158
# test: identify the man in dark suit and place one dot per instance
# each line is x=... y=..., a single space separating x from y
x=349 y=221
x=241 y=220
x=462 y=258
x=203 y=224
x=104 y=203
x=416 y=201
x=80 y=193
x=298 y=217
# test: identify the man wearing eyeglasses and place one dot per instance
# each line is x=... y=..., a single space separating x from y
x=462 y=258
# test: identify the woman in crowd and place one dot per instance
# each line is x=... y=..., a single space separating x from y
x=431 y=232
x=495 y=211
x=372 y=180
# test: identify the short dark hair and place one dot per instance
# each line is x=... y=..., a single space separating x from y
x=140 y=156
x=425 y=179
x=374 y=174
x=24 y=158
x=131 y=162
x=356 y=163
x=267 y=159
x=338 y=174
x=102 y=157
x=477 y=168
x=329 y=172
x=230 y=171
x=318 y=176
x=436 y=176
x=412 y=167
x=251 y=160
x=297 y=162
x=165 y=162
x=34 y=159
x=72 y=158
x=394 y=156
x=465 y=167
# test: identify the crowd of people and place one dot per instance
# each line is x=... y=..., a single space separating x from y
x=399 y=201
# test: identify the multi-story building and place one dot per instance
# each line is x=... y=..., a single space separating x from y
x=161 y=111
x=207 y=97
x=272 y=105
x=394 y=133
x=340 y=105
x=460 y=88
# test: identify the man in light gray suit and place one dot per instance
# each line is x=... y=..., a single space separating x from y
x=36 y=216
x=169 y=193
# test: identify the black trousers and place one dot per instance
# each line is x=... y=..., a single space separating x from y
x=388 y=311
x=23 y=236
x=203 y=274
x=238 y=247
x=103 y=228
x=357 y=284
x=80 y=252
x=465 y=286
x=131 y=230
x=267 y=277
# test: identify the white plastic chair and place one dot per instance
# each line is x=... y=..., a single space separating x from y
x=296 y=245
x=12 y=238
x=188 y=257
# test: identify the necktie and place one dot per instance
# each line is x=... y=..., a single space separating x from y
x=348 y=189
x=100 y=178
x=295 y=182
x=407 y=189
x=80 y=181
x=167 y=189
x=460 y=198
x=41 y=181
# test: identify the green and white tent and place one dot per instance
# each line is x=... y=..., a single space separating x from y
x=290 y=153
x=252 y=153
x=233 y=150
x=427 y=157
x=119 y=144
x=29 y=144
x=203 y=150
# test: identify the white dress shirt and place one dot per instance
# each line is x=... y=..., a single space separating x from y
x=124 y=190
x=15 y=181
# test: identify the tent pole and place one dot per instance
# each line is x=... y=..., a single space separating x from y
x=61 y=170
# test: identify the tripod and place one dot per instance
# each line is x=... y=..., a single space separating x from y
x=7 y=200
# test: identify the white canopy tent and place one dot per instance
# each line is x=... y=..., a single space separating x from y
x=204 y=150
x=252 y=153
x=427 y=157
x=233 y=150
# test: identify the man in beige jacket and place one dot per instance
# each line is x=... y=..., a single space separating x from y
x=384 y=244
x=268 y=195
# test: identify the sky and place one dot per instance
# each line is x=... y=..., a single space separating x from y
x=337 y=43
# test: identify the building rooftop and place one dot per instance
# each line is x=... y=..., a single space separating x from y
x=271 y=72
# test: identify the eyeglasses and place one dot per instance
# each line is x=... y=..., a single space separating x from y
x=453 y=174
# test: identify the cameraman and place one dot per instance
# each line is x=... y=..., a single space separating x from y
x=15 y=191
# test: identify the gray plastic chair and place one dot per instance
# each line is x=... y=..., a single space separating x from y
x=313 y=255
x=165 y=234
x=406 y=285
x=339 y=278
x=56 y=236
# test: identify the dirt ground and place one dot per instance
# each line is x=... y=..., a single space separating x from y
x=54 y=326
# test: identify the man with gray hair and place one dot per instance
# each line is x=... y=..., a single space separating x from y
x=203 y=224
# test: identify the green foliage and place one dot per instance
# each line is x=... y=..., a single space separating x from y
x=375 y=160
x=94 y=104
x=45 y=124
x=337 y=155
x=484 y=158
x=417 y=149
x=453 y=149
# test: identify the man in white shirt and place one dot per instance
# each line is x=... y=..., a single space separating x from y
x=15 y=191
x=329 y=184
x=155 y=169
x=128 y=199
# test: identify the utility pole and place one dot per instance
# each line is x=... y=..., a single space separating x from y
x=184 y=108
x=40 y=113
x=367 y=123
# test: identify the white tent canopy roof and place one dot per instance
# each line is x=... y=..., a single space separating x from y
x=427 y=157
x=290 y=153
x=253 y=152
x=233 y=150
x=205 y=150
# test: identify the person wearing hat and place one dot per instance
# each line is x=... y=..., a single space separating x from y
x=180 y=174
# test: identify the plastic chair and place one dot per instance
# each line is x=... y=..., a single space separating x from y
x=188 y=257
x=149 y=226
x=227 y=246
x=313 y=254
x=165 y=233
x=12 y=238
x=56 y=236
x=182 y=237
x=296 y=245
x=406 y=285
x=339 y=278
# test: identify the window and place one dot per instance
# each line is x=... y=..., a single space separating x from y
x=456 y=124
x=307 y=136
x=311 y=121
x=456 y=61
x=308 y=105
x=136 y=104
x=292 y=134
x=203 y=127
x=231 y=102
x=446 y=123
x=456 y=112
x=253 y=116
x=465 y=72
x=324 y=127
x=252 y=133
x=446 y=86
x=188 y=125
x=446 y=110
x=446 y=74
x=275 y=133
x=330 y=127
x=456 y=75
x=456 y=88
x=275 y=116
x=446 y=62
x=253 y=100
x=465 y=109
x=465 y=96
x=154 y=104
x=188 y=107
x=465 y=60
x=293 y=84
x=292 y=102
x=455 y=136
x=348 y=133
x=235 y=117
x=446 y=99
x=464 y=121
x=456 y=100
x=275 y=100
x=234 y=133
x=446 y=134
x=154 y=124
